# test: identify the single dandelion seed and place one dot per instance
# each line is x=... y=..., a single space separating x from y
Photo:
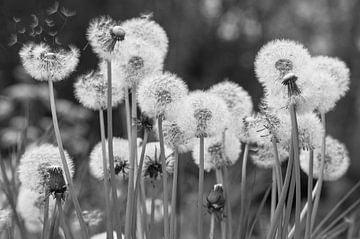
x=337 y=160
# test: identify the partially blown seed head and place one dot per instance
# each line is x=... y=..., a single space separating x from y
x=264 y=157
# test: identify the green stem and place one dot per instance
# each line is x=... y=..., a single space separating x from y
x=309 y=200
x=273 y=194
x=288 y=209
x=212 y=227
x=54 y=223
x=243 y=190
x=128 y=114
x=164 y=177
x=152 y=216
x=220 y=179
x=201 y=190
x=69 y=180
x=46 y=217
x=109 y=225
x=173 y=195
x=62 y=217
x=228 y=202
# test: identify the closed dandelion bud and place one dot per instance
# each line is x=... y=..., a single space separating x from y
x=337 y=160
x=216 y=154
x=175 y=137
x=121 y=158
x=148 y=31
x=160 y=93
x=44 y=63
x=136 y=61
x=41 y=169
x=215 y=201
x=152 y=167
x=91 y=91
x=202 y=115
x=105 y=35
x=264 y=156
x=30 y=206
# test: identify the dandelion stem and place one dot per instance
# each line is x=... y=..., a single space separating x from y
x=173 y=195
x=212 y=226
x=309 y=200
x=228 y=202
x=288 y=208
x=128 y=116
x=201 y=189
x=54 y=225
x=109 y=225
x=46 y=216
x=141 y=163
x=71 y=188
x=243 y=190
x=273 y=194
x=295 y=138
x=116 y=210
x=164 y=177
x=220 y=179
x=152 y=216
x=63 y=223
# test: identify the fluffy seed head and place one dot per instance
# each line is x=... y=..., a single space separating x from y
x=44 y=63
x=202 y=115
x=5 y=218
x=158 y=94
x=41 y=169
x=217 y=154
x=337 y=160
x=264 y=156
x=91 y=91
x=149 y=31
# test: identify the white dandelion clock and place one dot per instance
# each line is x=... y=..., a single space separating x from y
x=41 y=169
x=105 y=35
x=264 y=156
x=336 y=164
x=217 y=154
x=121 y=158
x=160 y=93
x=202 y=115
x=149 y=31
x=44 y=63
x=152 y=167
x=91 y=91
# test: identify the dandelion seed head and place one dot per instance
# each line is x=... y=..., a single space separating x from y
x=264 y=157
x=5 y=218
x=44 y=63
x=148 y=31
x=121 y=158
x=91 y=91
x=39 y=167
x=202 y=114
x=337 y=160
x=160 y=93
x=216 y=153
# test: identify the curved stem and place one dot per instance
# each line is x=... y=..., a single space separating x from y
x=69 y=180
x=109 y=226
x=173 y=195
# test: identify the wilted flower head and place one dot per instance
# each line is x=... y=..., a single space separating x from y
x=41 y=169
x=264 y=157
x=137 y=60
x=105 y=35
x=216 y=201
x=217 y=154
x=237 y=99
x=202 y=115
x=337 y=160
x=121 y=158
x=30 y=206
x=44 y=63
x=160 y=93
x=91 y=91
x=149 y=31
x=152 y=167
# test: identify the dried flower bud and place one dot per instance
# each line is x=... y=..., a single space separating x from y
x=216 y=201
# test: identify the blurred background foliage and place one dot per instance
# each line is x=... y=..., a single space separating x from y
x=210 y=40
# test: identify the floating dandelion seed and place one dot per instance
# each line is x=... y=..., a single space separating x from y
x=160 y=93
x=91 y=91
x=264 y=156
x=218 y=155
x=41 y=169
x=44 y=63
x=149 y=31
x=337 y=160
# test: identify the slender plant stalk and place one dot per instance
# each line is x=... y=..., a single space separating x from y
x=128 y=115
x=309 y=196
x=201 y=190
x=54 y=224
x=288 y=209
x=351 y=227
x=110 y=152
x=109 y=219
x=71 y=188
x=220 y=179
x=62 y=217
x=152 y=216
x=273 y=194
x=143 y=205
x=173 y=194
x=228 y=202
x=212 y=227
x=321 y=177
x=243 y=191
x=164 y=177
x=278 y=174
x=46 y=217
x=336 y=231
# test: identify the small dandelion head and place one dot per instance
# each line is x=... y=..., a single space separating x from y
x=264 y=156
x=121 y=158
x=175 y=137
x=215 y=201
x=41 y=169
x=217 y=154
x=148 y=31
x=336 y=162
x=152 y=167
x=91 y=91
x=158 y=94
x=44 y=63
x=202 y=115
